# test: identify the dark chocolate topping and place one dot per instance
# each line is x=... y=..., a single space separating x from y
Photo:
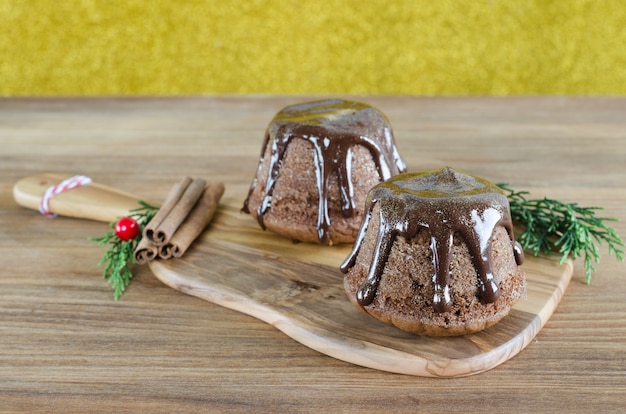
x=333 y=127
x=446 y=203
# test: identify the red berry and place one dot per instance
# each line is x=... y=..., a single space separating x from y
x=126 y=228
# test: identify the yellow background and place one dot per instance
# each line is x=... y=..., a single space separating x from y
x=421 y=47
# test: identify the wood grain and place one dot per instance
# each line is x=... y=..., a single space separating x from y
x=66 y=346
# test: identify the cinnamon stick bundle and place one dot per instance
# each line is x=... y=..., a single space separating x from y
x=187 y=210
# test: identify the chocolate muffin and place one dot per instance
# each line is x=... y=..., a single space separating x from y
x=436 y=254
x=318 y=161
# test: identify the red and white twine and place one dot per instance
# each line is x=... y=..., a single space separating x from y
x=53 y=190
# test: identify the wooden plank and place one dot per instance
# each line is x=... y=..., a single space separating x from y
x=66 y=346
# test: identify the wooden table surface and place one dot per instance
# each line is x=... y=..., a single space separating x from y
x=65 y=345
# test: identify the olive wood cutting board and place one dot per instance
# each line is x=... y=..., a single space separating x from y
x=298 y=289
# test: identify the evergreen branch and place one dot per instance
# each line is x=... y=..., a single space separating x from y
x=568 y=228
x=120 y=254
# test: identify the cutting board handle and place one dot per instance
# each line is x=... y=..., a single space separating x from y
x=93 y=201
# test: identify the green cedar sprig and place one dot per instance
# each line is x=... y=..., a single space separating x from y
x=120 y=255
x=570 y=229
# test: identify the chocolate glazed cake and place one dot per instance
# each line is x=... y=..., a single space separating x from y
x=436 y=255
x=318 y=161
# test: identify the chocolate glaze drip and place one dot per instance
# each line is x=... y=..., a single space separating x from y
x=333 y=127
x=446 y=203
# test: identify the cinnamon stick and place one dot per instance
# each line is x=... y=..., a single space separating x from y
x=172 y=198
x=145 y=251
x=161 y=232
x=194 y=224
